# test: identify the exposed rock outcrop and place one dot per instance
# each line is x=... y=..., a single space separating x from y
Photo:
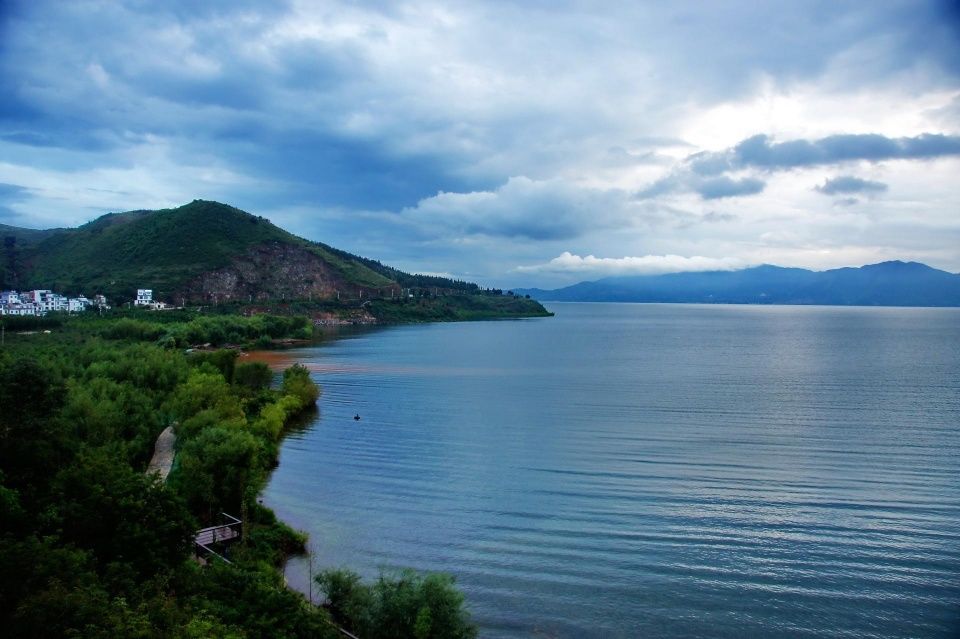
x=270 y=272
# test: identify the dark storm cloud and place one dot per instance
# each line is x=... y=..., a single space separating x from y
x=846 y=184
x=166 y=74
x=847 y=201
x=727 y=187
x=10 y=194
x=709 y=188
x=706 y=172
x=213 y=79
x=8 y=215
x=11 y=191
x=318 y=166
x=761 y=152
x=421 y=117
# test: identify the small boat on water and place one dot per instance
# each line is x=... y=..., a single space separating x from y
x=356 y=417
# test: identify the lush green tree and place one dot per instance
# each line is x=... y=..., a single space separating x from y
x=253 y=375
x=398 y=605
x=216 y=468
x=297 y=382
x=138 y=522
x=349 y=600
x=273 y=417
x=206 y=626
x=223 y=360
x=132 y=329
x=260 y=603
x=204 y=390
x=31 y=443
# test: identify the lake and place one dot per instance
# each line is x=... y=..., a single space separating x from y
x=635 y=470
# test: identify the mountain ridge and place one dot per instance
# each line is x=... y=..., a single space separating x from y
x=890 y=283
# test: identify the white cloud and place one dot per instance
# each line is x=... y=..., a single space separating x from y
x=526 y=208
x=590 y=265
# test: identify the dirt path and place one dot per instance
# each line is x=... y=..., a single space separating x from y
x=163 y=454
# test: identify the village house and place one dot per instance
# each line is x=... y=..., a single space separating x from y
x=145 y=299
x=9 y=297
x=19 y=309
x=40 y=302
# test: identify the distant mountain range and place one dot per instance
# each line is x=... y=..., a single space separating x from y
x=886 y=284
x=200 y=252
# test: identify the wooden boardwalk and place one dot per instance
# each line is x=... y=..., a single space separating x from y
x=205 y=538
x=162 y=460
x=215 y=535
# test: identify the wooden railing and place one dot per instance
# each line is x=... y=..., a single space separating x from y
x=204 y=538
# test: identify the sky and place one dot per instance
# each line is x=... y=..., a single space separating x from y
x=524 y=143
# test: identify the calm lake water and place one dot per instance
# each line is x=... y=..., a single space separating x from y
x=648 y=470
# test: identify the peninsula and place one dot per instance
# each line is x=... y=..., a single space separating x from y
x=214 y=255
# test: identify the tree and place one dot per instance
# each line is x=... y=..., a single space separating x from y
x=121 y=515
x=398 y=605
x=253 y=375
x=297 y=382
x=32 y=444
x=216 y=468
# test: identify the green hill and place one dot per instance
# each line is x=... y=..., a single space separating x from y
x=211 y=253
x=168 y=250
x=16 y=241
x=26 y=237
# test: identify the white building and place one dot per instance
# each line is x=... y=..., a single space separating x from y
x=42 y=299
x=22 y=309
x=45 y=300
x=36 y=296
x=59 y=302
x=40 y=302
x=144 y=297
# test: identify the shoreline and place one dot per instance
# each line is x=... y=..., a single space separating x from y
x=279 y=360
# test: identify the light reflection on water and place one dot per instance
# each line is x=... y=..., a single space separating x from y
x=648 y=470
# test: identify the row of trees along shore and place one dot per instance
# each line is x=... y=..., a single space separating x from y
x=90 y=546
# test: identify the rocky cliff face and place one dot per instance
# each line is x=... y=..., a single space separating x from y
x=271 y=272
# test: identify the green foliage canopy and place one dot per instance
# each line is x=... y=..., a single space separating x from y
x=397 y=605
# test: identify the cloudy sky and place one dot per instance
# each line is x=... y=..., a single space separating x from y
x=511 y=143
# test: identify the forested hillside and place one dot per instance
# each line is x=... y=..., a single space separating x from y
x=91 y=546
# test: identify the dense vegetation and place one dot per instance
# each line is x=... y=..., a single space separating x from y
x=421 y=306
x=453 y=308
x=400 y=604
x=90 y=546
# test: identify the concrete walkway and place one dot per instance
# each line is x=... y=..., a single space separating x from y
x=163 y=454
